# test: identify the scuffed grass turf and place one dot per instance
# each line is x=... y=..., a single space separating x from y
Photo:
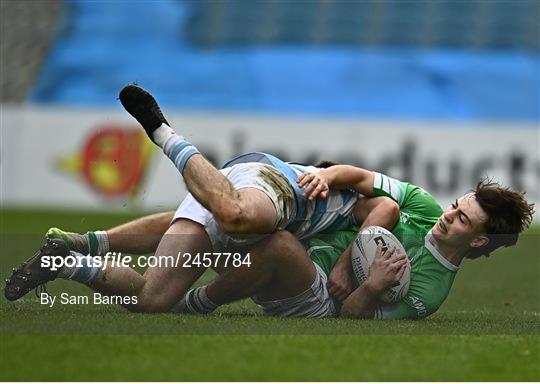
x=488 y=329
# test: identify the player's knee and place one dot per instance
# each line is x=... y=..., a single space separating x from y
x=392 y=209
x=286 y=243
x=233 y=219
x=282 y=240
x=278 y=245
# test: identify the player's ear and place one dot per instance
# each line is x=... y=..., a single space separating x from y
x=479 y=241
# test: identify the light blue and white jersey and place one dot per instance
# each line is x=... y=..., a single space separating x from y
x=309 y=217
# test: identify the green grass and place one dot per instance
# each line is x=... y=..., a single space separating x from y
x=488 y=329
x=277 y=357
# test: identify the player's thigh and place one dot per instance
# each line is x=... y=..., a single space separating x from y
x=259 y=213
x=293 y=272
x=167 y=280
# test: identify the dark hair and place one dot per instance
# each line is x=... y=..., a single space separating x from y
x=325 y=164
x=508 y=214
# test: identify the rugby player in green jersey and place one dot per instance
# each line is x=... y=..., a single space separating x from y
x=436 y=240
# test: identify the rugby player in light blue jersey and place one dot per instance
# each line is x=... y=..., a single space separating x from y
x=251 y=197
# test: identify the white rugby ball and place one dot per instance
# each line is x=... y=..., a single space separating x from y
x=363 y=253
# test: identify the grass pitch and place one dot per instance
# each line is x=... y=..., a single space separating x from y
x=488 y=329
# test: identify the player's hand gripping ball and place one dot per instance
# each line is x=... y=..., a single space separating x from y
x=363 y=252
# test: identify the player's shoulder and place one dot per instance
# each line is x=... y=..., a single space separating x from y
x=417 y=198
x=418 y=192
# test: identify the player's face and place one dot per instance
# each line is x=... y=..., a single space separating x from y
x=461 y=223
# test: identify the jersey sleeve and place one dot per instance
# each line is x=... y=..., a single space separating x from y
x=410 y=198
x=412 y=306
x=387 y=186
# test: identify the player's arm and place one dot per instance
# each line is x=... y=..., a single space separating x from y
x=336 y=177
x=380 y=211
x=387 y=268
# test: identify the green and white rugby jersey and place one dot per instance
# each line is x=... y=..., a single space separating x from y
x=431 y=274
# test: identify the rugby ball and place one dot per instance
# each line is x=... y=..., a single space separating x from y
x=363 y=253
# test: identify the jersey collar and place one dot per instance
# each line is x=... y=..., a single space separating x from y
x=440 y=258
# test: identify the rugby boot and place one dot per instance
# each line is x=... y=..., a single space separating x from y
x=143 y=107
x=76 y=242
x=31 y=274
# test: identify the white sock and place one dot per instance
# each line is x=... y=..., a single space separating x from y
x=103 y=242
x=198 y=302
x=83 y=273
x=98 y=243
x=162 y=134
x=66 y=272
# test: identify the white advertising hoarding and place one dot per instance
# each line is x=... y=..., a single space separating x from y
x=100 y=159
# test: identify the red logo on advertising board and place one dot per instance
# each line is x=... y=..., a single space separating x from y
x=113 y=160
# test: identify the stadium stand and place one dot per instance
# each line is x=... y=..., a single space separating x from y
x=408 y=23
x=27 y=30
x=345 y=58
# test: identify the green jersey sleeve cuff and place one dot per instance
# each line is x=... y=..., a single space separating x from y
x=386 y=186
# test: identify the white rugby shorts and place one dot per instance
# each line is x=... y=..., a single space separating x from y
x=261 y=176
x=314 y=302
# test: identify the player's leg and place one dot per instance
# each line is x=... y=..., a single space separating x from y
x=155 y=291
x=209 y=186
x=141 y=235
x=280 y=265
x=160 y=287
x=280 y=268
x=138 y=236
